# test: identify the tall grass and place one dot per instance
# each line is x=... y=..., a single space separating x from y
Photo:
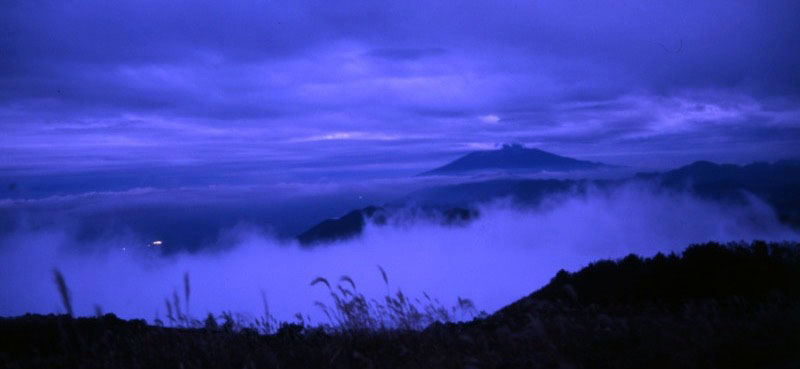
x=349 y=310
x=63 y=291
x=177 y=317
x=704 y=325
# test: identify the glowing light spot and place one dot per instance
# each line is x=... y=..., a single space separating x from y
x=491 y=118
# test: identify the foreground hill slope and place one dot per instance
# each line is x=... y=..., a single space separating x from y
x=753 y=272
x=713 y=306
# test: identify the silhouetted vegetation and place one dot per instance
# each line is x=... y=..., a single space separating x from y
x=713 y=306
x=752 y=271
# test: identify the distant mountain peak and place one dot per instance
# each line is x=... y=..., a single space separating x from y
x=515 y=146
x=512 y=157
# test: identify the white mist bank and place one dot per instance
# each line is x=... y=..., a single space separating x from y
x=505 y=254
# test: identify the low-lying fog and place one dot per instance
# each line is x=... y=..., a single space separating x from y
x=505 y=254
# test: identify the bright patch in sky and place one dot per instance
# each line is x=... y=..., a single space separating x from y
x=491 y=118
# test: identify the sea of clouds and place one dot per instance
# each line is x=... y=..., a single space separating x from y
x=505 y=254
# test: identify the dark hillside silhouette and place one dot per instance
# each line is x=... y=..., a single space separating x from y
x=708 y=271
x=712 y=306
x=352 y=224
x=345 y=227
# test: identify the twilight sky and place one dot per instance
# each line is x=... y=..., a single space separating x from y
x=312 y=89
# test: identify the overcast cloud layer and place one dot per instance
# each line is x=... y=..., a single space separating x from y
x=306 y=88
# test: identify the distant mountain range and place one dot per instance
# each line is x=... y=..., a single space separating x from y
x=512 y=158
x=777 y=184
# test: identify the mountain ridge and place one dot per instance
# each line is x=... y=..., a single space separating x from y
x=512 y=157
x=773 y=183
